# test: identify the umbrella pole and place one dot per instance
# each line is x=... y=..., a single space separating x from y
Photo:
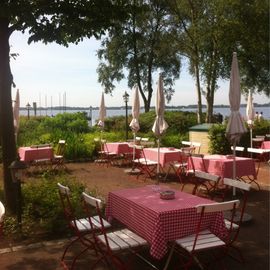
x=251 y=137
x=134 y=142
x=158 y=161
x=234 y=166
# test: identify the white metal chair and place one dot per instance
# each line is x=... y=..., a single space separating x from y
x=114 y=242
x=258 y=155
x=58 y=158
x=81 y=228
x=2 y=214
x=240 y=215
x=146 y=166
x=106 y=156
x=205 y=184
x=180 y=166
x=203 y=239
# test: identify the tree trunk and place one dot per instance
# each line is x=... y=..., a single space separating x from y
x=199 y=95
x=6 y=116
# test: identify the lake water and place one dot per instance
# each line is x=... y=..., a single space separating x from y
x=116 y=112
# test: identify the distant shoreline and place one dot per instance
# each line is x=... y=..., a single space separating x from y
x=129 y=107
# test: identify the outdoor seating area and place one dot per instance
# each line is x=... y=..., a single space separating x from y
x=43 y=156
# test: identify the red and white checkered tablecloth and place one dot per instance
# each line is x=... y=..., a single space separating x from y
x=118 y=147
x=160 y=221
x=222 y=165
x=166 y=155
x=29 y=154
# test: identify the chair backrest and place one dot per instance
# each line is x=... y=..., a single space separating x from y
x=207 y=176
x=200 y=156
x=61 y=148
x=217 y=207
x=203 y=209
x=239 y=149
x=197 y=146
x=90 y=203
x=186 y=143
x=64 y=193
x=255 y=150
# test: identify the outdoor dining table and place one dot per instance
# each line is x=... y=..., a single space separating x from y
x=166 y=154
x=118 y=147
x=29 y=154
x=160 y=221
x=222 y=165
x=265 y=145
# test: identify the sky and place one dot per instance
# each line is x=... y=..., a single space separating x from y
x=46 y=73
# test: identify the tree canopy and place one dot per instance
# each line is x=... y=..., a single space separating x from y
x=141 y=46
x=158 y=33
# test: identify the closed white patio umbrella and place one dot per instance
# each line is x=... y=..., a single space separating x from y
x=250 y=113
x=102 y=115
x=16 y=114
x=235 y=128
x=102 y=112
x=160 y=125
x=134 y=124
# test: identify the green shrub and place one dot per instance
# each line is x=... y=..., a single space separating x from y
x=218 y=142
x=42 y=206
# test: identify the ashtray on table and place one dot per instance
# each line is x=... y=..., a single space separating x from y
x=167 y=195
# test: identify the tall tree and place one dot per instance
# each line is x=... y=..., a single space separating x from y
x=141 y=46
x=48 y=21
x=212 y=30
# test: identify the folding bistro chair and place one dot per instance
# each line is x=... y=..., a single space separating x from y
x=58 y=158
x=240 y=215
x=81 y=228
x=205 y=184
x=192 y=179
x=113 y=243
x=189 y=247
x=2 y=214
x=105 y=154
x=258 y=155
x=145 y=166
x=180 y=167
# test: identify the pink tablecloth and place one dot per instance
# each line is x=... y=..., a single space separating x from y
x=157 y=220
x=118 y=147
x=265 y=145
x=222 y=166
x=166 y=155
x=29 y=154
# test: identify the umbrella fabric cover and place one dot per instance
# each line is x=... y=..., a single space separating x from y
x=16 y=113
x=102 y=112
x=250 y=110
x=235 y=127
x=134 y=124
x=160 y=125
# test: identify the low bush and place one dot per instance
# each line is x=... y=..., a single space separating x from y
x=42 y=206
